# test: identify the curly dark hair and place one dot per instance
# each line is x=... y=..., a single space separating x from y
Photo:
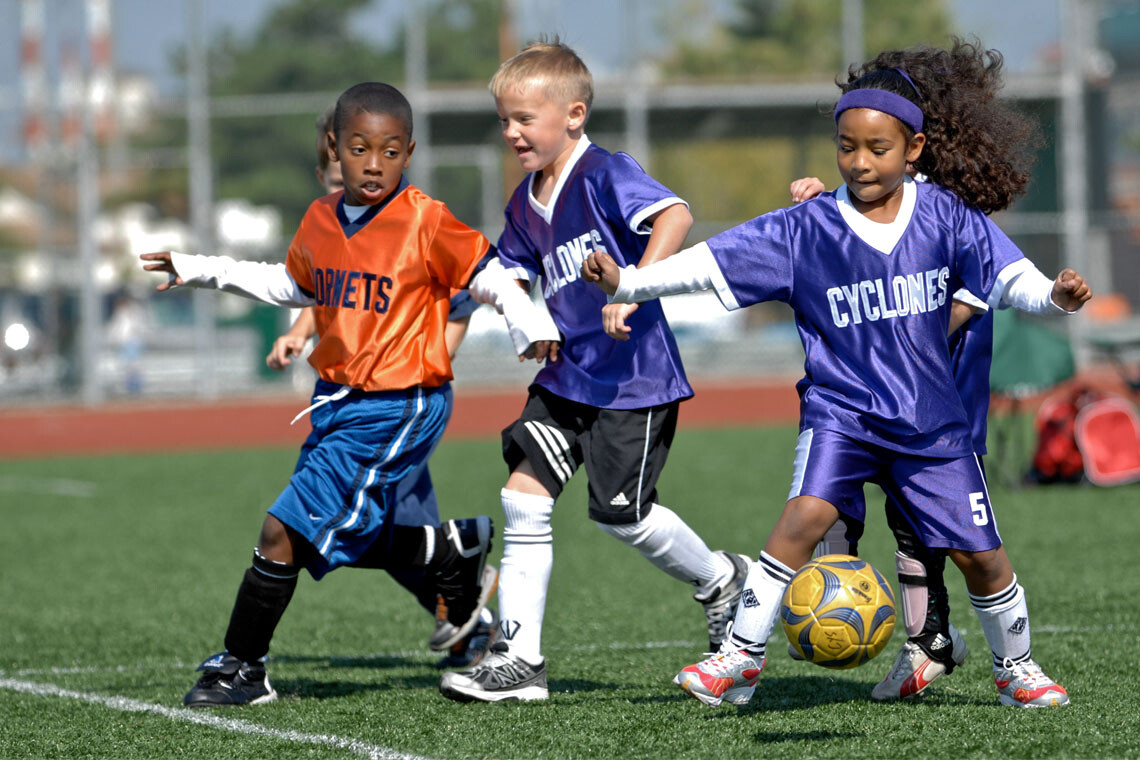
x=979 y=147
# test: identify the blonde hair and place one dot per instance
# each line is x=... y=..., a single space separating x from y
x=552 y=67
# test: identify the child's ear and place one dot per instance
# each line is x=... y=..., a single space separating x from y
x=576 y=115
x=330 y=138
x=914 y=147
x=408 y=158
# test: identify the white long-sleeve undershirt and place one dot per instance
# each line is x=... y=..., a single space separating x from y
x=271 y=283
x=1021 y=285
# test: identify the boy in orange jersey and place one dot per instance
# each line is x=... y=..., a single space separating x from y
x=378 y=264
x=416 y=504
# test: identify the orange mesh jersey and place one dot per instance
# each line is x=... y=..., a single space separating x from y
x=382 y=290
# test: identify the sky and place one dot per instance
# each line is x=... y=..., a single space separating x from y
x=146 y=31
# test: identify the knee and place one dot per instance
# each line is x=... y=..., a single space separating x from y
x=275 y=542
x=808 y=519
x=984 y=571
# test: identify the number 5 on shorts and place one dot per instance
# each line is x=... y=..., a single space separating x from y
x=978 y=507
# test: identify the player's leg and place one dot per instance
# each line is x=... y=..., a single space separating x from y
x=417 y=506
x=999 y=602
x=829 y=473
x=237 y=675
x=625 y=453
x=541 y=451
x=948 y=502
x=933 y=647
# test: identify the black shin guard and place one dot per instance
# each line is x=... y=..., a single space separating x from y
x=922 y=592
x=264 y=594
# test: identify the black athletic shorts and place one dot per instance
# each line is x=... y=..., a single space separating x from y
x=624 y=451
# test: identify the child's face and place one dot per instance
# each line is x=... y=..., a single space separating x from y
x=373 y=151
x=540 y=131
x=873 y=152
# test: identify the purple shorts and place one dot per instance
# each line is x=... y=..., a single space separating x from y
x=945 y=501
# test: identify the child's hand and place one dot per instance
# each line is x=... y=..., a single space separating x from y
x=284 y=349
x=1070 y=291
x=613 y=319
x=600 y=267
x=806 y=188
x=162 y=264
x=541 y=350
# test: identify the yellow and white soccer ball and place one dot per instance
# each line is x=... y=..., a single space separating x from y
x=838 y=611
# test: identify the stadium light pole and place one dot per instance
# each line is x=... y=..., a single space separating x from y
x=1074 y=156
x=852 y=32
x=90 y=321
x=415 y=84
x=201 y=198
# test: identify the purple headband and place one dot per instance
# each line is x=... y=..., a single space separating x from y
x=881 y=100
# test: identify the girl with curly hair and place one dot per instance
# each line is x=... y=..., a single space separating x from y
x=870 y=271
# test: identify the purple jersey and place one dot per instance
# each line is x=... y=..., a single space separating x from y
x=971 y=353
x=872 y=305
x=600 y=203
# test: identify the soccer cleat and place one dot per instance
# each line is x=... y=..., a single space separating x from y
x=914 y=669
x=500 y=676
x=720 y=601
x=465 y=583
x=1023 y=684
x=727 y=676
x=229 y=681
x=469 y=651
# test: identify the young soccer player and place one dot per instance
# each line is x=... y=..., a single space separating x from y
x=934 y=647
x=609 y=407
x=378 y=262
x=416 y=503
x=869 y=271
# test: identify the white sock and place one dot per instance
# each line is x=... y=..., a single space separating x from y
x=1005 y=622
x=759 y=606
x=671 y=545
x=524 y=572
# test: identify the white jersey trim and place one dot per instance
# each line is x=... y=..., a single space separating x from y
x=547 y=211
x=968 y=298
x=637 y=223
x=882 y=237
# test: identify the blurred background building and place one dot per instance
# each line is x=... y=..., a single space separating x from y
x=129 y=126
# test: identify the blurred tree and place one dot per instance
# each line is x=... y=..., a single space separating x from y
x=309 y=47
x=784 y=38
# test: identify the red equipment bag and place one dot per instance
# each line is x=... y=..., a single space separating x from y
x=1107 y=433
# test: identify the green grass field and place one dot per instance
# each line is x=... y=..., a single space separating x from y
x=119 y=573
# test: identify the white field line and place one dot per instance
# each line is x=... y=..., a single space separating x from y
x=52 y=486
x=187 y=715
x=425 y=655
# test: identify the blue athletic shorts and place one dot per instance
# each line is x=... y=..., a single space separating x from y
x=945 y=501
x=360 y=459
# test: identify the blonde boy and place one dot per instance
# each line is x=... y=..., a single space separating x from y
x=607 y=405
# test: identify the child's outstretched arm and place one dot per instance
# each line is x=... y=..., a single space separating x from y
x=690 y=270
x=257 y=280
x=1027 y=289
x=670 y=227
x=532 y=330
